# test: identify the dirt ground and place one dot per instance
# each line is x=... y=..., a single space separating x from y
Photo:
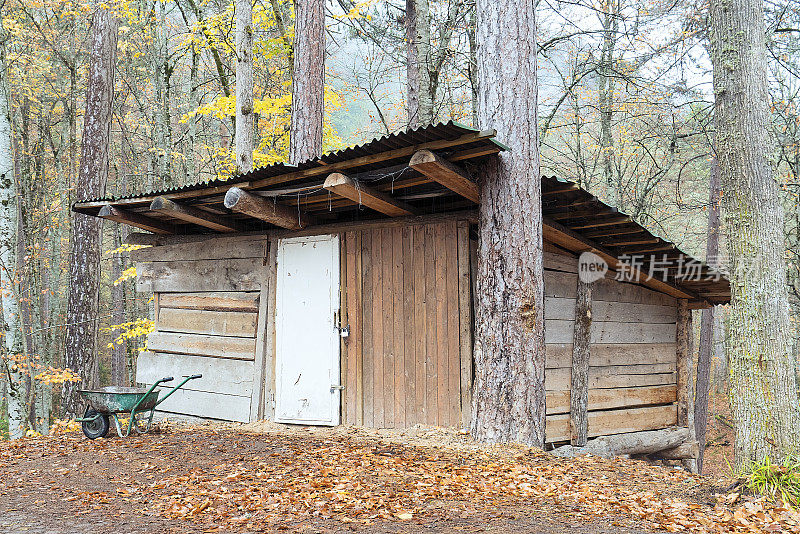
x=264 y=478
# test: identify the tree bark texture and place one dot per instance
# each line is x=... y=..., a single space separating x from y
x=763 y=388
x=308 y=84
x=683 y=349
x=509 y=395
x=579 y=386
x=418 y=63
x=84 y=265
x=707 y=321
x=245 y=127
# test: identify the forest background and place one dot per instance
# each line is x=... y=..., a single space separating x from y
x=625 y=110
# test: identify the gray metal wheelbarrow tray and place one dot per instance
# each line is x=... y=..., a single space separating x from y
x=107 y=403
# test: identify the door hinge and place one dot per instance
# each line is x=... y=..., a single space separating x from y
x=336 y=387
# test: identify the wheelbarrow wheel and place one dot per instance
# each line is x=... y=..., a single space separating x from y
x=96 y=428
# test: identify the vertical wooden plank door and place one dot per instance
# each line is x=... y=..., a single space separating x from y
x=307 y=335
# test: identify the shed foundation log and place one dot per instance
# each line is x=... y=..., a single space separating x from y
x=130 y=218
x=194 y=215
x=579 y=390
x=257 y=207
x=346 y=187
x=648 y=442
x=445 y=173
x=684 y=451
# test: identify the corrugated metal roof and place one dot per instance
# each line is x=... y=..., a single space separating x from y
x=404 y=139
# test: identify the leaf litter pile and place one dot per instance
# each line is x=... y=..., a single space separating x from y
x=224 y=480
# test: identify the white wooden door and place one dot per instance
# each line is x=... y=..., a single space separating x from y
x=307 y=335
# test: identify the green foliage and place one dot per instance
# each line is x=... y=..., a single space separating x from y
x=777 y=482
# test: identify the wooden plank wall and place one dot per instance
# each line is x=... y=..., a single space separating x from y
x=210 y=308
x=632 y=373
x=406 y=301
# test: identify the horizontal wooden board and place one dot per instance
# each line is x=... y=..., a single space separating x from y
x=238 y=348
x=615 y=376
x=209 y=405
x=603 y=310
x=560 y=354
x=232 y=377
x=217 y=323
x=564 y=284
x=221 y=248
x=605 y=423
x=604 y=399
x=561 y=331
x=560 y=262
x=204 y=275
x=211 y=301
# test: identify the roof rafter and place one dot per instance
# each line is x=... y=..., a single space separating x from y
x=194 y=215
x=346 y=187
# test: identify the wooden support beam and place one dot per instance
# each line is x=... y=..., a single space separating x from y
x=579 y=384
x=627 y=241
x=345 y=187
x=257 y=207
x=194 y=215
x=130 y=218
x=601 y=223
x=566 y=189
x=447 y=174
x=683 y=354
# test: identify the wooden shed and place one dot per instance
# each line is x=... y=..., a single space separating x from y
x=340 y=291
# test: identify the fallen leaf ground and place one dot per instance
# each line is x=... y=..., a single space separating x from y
x=224 y=478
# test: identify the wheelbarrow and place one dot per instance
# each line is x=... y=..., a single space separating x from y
x=107 y=403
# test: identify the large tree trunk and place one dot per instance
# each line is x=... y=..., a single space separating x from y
x=509 y=396
x=308 y=84
x=244 y=85
x=707 y=322
x=82 y=305
x=763 y=388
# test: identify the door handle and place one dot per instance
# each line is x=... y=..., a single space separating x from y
x=336 y=387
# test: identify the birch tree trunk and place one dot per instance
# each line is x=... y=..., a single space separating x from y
x=509 y=396
x=308 y=84
x=763 y=387
x=12 y=336
x=82 y=303
x=244 y=86
x=707 y=322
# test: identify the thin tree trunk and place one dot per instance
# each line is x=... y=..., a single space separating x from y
x=605 y=76
x=9 y=321
x=707 y=322
x=509 y=396
x=308 y=85
x=244 y=86
x=412 y=65
x=82 y=306
x=763 y=387
x=473 y=65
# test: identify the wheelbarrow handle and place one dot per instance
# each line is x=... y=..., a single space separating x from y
x=176 y=388
x=166 y=379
